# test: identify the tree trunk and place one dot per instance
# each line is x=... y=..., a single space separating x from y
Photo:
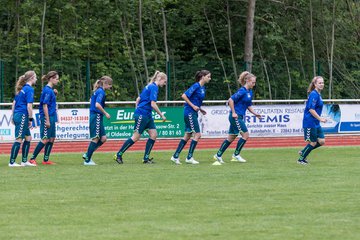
x=216 y=51
x=133 y=50
x=230 y=41
x=142 y=40
x=166 y=50
x=136 y=82
x=300 y=49
x=332 y=52
x=249 y=37
x=265 y=69
x=287 y=68
x=17 y=37
x=312 y=39
x=42 y=40
x=154 y=39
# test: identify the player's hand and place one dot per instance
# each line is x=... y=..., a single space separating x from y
x=258 y=116
x=323 y=120
x=30 y=125
x=163 y=118
x=196 y=108
x=234 y=115
x=47 y=124
x=56 y=92
x=107 y=116
x=203 y=111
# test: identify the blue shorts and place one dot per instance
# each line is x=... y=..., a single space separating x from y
x=21 y=122
x=191 y=123
x=47 y=133
x=312 y=134
x=237 y=126
x=143 y=123
x=97 y=129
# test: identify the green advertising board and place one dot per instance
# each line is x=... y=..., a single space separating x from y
x=121 y=123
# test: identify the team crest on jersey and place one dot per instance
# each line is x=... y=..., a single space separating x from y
x=249 y=95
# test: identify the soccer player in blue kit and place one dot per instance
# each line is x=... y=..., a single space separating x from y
x=48 y=117
x=193 y=97
x=313 y=132
x=22 y=118
x=97 y=112
x=239 y=103
x=143 y=117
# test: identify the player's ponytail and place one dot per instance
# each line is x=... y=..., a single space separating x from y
x=157 y=75
x=153 y=78
x=200 y=74
x=100 y=82
x=244 y=76
x=312 y=84
x=23 y=80
x=48 y=76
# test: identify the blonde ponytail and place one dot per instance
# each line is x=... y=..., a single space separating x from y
x=312 y=84
x=245 y=76
x=100 y=82
x=157 y=75
x=23 y=80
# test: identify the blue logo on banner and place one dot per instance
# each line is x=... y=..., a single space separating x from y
x=350 y=126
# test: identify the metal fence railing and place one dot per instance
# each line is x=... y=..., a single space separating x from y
x=205 y=102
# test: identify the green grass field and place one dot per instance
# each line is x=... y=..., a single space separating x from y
x=269 y=197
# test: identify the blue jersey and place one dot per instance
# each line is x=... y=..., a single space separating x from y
x=148 y=94
x=98 y=96
x=316 y=103
x=196 y=95
x=25 y=96
x=47 y=97
x=242 y=100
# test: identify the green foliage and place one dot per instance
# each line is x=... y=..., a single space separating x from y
x=81 y=31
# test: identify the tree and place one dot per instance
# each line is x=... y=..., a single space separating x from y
x=249 y=37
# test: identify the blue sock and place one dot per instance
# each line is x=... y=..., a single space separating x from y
x=180 y=147
x=149 y=145
x=128 y=143
x=308 y=148
x=14 y=151
x=223 y=147
x=47 y=151
x=25 y=150
x=99 y=143
x=37 y=150
x=90 y=151
x=192 y=148
x=317 y=145
x=239 y=146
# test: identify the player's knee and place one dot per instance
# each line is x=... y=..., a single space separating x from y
x=231 y=138
x=321 y=142
x=245 y=136
x=197 y=136
x=153 y=135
